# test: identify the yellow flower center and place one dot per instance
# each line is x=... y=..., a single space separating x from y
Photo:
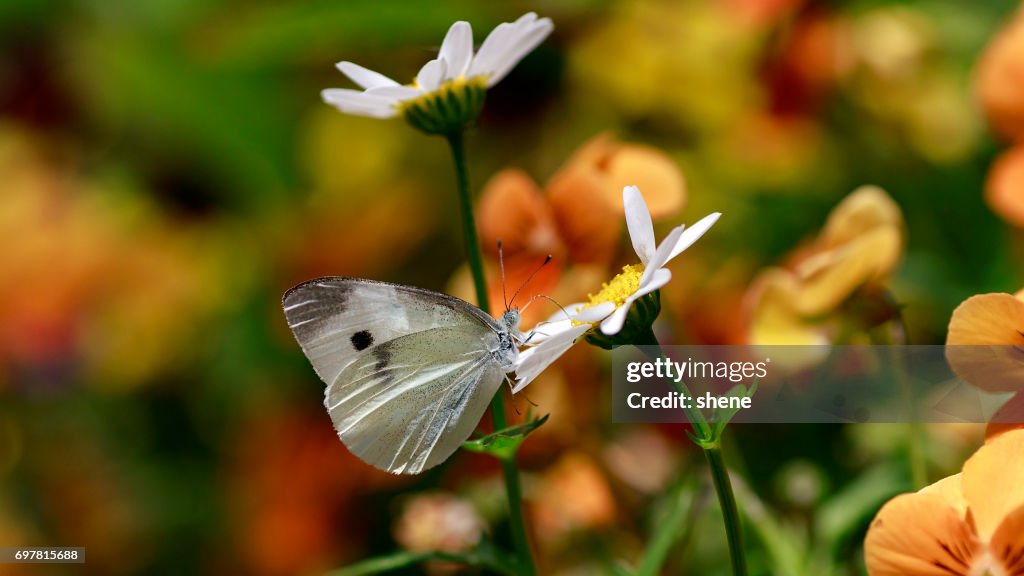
x=624 y=285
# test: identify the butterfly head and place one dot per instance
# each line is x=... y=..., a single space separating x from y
x=510 y=320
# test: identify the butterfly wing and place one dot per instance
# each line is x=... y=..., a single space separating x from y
x=408 y=371
x=410 y=403
x=335 y=319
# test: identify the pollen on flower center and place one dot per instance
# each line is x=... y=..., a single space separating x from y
x=624 y=285
x=450 y=108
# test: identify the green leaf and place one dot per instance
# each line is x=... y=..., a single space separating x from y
x=785 y=544
x=722 y=416
x=848 y=510
x=504 y=443
x=486 y=555
x=676 y=519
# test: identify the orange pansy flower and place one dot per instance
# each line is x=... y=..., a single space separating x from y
x=984 y=347
x=969 y=524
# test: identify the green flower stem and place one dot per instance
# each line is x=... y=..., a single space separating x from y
x=710 y=444
x=700 y=425
x=513 y=490
x=730 y=511
x=469 y=236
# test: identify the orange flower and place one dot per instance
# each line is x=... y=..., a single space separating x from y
x=574 y=494
x=101 y=279
x=577 y=219
x=1004 y=187
x=438 y=521
x=998 y=80
x=983 y=347
x=580 y=216
x=861 y=244
x=971 y=523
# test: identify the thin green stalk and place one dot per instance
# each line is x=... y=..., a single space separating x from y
x=469 y=236
x=697 y=420
x=513 y=490
x=719 y=473
x=730 y=512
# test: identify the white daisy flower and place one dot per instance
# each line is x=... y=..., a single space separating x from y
x=449 y=89
x=607 y=310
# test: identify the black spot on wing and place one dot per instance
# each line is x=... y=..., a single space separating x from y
x=362 y=340
x=382 y=354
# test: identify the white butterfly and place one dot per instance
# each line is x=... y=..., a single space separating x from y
x=409 y=372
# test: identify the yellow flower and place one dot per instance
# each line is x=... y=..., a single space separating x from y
x=969 y=524
x=860 y=246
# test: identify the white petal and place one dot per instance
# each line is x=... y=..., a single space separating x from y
x=396 y=93
x=545 y=330
x=359 y=103
x=365 y=77
x=492 y=48
x=559 y=322
x=535 y=360
x=567 y=312
x=638 y=222
x=661 y=255
x=595 y=313
x=612 y=324
x=507 y=45
x=693 y=233
x=568 y=318
x=457 y=49
x=431 y=75
x=657 y=280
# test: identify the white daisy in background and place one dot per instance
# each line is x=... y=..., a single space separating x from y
x=607 y=310
x=449 y=90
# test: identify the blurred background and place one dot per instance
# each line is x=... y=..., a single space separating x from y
x=168 y=170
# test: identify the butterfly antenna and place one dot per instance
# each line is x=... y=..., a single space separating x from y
x=501 y=264
x=549 y=299
x=533 y=331
x=528 y=280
